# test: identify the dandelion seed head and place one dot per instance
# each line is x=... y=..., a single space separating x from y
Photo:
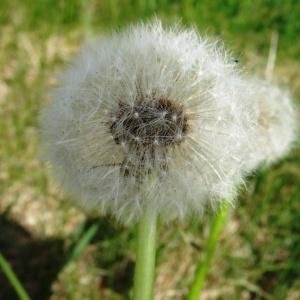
x=148 y=118
x=275 y=123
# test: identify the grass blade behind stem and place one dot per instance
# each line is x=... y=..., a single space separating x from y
x=83 y=242
x=204 y=265
x=7 y=270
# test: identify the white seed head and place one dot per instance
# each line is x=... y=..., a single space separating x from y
x=169 y=99
x=275 y=123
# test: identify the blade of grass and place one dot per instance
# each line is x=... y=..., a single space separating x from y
x=114 y=10
x=82 y=243
x=203 y=267
x=86 y=18
x=14 y=281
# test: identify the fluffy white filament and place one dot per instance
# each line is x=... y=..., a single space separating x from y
x=150 y=118
x=275 y=123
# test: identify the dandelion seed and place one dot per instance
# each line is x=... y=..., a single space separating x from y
x=156 y=142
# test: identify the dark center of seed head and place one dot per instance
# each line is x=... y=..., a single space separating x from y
x=148 y=124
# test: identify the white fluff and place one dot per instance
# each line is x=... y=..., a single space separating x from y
x=181 y=173
x=274 y=123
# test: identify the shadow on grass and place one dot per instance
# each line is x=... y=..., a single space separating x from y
x=38 y=262
x=35 y=262
x=114 y=255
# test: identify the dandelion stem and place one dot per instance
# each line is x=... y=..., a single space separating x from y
x=7 y=270
x=145 y=257
x=204 y=265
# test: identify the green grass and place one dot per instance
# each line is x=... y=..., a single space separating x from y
x=5 y=267
x=259 y=252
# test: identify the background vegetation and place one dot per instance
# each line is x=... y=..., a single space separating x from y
x=259 y=253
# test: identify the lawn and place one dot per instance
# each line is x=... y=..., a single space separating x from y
x=259 y=251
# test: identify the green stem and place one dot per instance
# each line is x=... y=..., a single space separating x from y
x=203 y=267
x=145 y=257
x=7 y=270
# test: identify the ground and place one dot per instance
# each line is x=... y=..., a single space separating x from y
x=259 y=251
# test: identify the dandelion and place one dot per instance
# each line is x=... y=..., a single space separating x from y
x=148 y=118
x=270 y=120
x=148 y=122
x=275 y=123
